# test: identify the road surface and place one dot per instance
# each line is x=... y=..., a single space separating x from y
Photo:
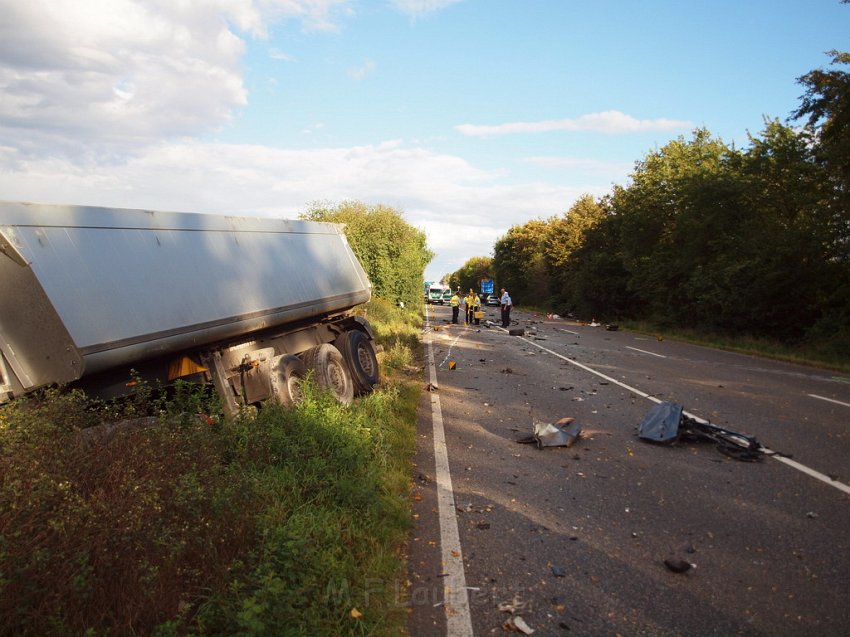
x=573 y=540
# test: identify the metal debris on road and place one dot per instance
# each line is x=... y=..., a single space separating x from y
x=562 y=433
x=666 y=422
x=517 y=624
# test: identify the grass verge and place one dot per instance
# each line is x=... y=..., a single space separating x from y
x=814 y=355
x=289 y=522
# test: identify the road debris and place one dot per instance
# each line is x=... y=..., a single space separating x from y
x=513 y=606
x=562 y=433
x=666 y=422
x=678 y=566
x=517 y=624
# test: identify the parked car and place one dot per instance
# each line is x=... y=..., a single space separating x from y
x=492 y=299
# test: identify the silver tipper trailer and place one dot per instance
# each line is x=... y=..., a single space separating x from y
x=249 y=304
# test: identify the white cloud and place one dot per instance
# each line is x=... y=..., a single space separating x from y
x=102 y=101
x=416 y=8
x=358 y=73
x=610 y=171
x=609 y=122
x=277 y=54
x=102 y=78
x=462 y=208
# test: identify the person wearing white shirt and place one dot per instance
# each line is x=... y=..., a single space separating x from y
x=507 y=304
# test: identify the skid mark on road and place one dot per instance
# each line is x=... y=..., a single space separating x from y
x=455 y=594
x=768 y=452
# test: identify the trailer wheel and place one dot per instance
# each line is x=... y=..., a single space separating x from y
x=330 y=371
x=359 y=353
x=287 y=373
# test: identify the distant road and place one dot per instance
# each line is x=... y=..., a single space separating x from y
x=574 y=539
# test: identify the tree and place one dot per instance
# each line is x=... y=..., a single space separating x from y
x=518 y=262
x=470 y=274
x=393 y=253
x=826 y=103
x=564 y=236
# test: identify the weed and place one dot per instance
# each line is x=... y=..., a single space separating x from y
x=278 y=523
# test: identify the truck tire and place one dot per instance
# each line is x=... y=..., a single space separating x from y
x=287 y=373
x=330 y=371
x=359 y=353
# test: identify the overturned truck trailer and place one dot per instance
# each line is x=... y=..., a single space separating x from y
x=248 y=304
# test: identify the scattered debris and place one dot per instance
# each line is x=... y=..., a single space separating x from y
x=517 y=624
x=678 y=566
x=507 y=370
x=563 y=433
x=432 y=387
x=811 y=515
x=512 y=606
x=516 y=331
x=612 y=327
x=667 y=423
x=559 y=571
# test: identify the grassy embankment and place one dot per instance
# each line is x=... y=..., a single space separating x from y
x=822 y=354
x=291 y=522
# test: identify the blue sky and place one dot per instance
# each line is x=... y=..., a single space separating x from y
x=468 y=116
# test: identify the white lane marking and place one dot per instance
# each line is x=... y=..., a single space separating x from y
x=809 y=472
x=455 y=592
x=643 y=351
x=829 y=400
x=768 y=452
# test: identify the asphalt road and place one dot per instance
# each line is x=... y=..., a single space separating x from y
x=574 y=539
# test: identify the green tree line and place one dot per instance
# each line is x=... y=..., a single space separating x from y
x=740 y=241
x=393 y=253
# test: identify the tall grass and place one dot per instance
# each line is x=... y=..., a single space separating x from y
x=286 y=522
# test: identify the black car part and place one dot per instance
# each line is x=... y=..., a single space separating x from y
x=666 y=422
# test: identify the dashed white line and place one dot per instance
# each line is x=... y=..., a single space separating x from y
x=829 y=400
x=643 y=351
x=455 y=591
x=768 y=452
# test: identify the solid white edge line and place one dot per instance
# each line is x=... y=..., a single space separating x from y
x=829 y=400
x=455 y=592
x=768 y=452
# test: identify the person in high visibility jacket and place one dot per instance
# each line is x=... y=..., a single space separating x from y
x=455 y=303
x=470 y=305
x=476 y=306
